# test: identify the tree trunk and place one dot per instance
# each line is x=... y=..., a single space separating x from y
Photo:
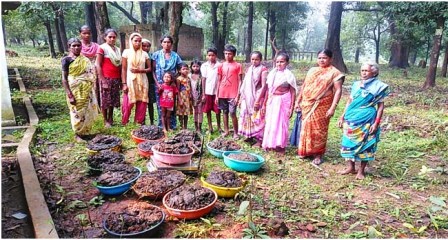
x=145 y=12
x=273 y=22
x=90 y=19
x=428 y=46
x=4 y=35
x=50 y=38
x=399 y=52
x=215 y=23
x=58 y=36
x=250 y=20
x=34 y=42
x=445 y=60
x=101 y=19
x=125 y=12
x=175 y=21
x=333 y=35
x=62 y=31
x=377 y=43
x=267 y=32
x=431 y=74
x=414 y=57
x=223 y=35
x=358 y=50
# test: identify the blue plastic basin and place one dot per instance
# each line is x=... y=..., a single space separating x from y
x=218 y=153
x=119 y=189
x=243 y=166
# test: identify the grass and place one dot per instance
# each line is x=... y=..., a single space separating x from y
x=410 y=168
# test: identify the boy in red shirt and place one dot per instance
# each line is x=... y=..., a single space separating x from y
x=229 y=82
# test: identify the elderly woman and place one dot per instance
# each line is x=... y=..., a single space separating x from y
x=361 y=119
x=78 y=80
x=318 y=98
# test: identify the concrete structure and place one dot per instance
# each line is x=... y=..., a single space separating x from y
x=191 y=39
x=8 y=118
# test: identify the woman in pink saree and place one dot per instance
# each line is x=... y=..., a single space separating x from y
x=281 y=92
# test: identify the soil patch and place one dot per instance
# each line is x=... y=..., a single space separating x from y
x=157 y=183
x=117 y=174
x=246 y=157
x=134 y=218
x=146 y=146
x=190 y=197
x=193 y=139
x=151 y=132
x=172 y=147
x=103 y=142
x=224 y=144
x=224 y=179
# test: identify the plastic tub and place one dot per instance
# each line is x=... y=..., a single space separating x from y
x=189 y=214
x=150 y=232
x=169 y=158
x=243 y=166
x=216 y=152
x=143 y=153
x=226 y=192
x=139 y=140
x=119 y=189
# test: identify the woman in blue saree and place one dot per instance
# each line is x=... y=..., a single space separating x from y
x=361 y=120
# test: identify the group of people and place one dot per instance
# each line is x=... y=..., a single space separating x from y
x=93 y=76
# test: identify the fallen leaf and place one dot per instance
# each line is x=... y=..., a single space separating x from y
x=321 y=224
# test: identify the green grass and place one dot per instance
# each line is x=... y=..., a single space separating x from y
x=414 y=136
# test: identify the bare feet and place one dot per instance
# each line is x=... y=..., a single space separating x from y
x=236 y=137
x=225 y=134
x=79 y=139
x=347 y=171
x=257 y=144
x=360 y=176
x=107 y=125
x=318 y=161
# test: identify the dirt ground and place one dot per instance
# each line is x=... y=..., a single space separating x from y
x=13 y=201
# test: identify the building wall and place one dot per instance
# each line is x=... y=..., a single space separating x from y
x=191 y=39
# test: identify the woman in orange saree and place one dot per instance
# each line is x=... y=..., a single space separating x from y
x=318 y=98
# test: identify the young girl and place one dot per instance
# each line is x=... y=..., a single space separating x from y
x=196 y=90
x=108 y=67
x=252 y=112
x=146 y=46
x=167 y=96
x=185 y=99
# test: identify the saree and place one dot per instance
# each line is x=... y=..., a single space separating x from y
x=251 y=123
x=357 y=143
x=277 y=108
x=90 y=51
x=314 y=131
x=81 y=80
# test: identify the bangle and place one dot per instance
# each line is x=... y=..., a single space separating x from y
x=377 y=121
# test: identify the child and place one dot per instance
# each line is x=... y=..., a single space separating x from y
x=229 y=81
x=209 y=72
x=146 y=46
x=185 y=99
x=251 y=121
x=196 y=90
x=108 y=68
x=167 y=96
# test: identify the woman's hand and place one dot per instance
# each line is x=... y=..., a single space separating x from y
x=203 y=98
x=71 y=99
x=298 y=108
x=257 y=106
x=341 y=122
x=330 y=113
x=103 y=82
x=125 y=88
x=291 y=111
x=373 y=128
x=135 y=70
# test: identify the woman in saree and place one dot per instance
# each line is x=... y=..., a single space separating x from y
x=252 y=116
x=78 y=80
x=89 y=50
x=165 y=60
x=281 y=92
x=134 y=80
x=361 y=120
x=318 y=98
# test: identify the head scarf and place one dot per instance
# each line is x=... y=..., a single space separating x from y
x=89 y=51
x=135 y=55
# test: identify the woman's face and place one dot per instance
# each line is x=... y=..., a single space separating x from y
x=75 y=48
x=255 y=60
x=110 y=38
x=167 y=78
x=366 y=72
x=85 y=34
x=195 y=68
x=167 y=44
x=136 y=42
x=281 y=63
x=146 y=46
x=323 y=60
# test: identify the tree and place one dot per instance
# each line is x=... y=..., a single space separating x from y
x=89 y=9
x=250 y=20
x=128 y=14
x=145 y=12
x=101 y=19
x=175 y=21
x=445 y=61
x=431 y=74
x=333 y=35
x=60 y=25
